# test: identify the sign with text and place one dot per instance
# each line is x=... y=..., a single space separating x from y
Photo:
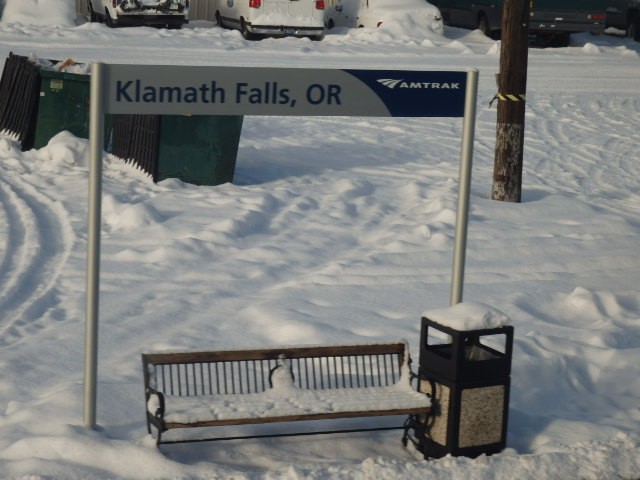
x=192 y=90
x=157 y=89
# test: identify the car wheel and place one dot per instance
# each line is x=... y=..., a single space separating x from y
x=93 y=17
x=219 y=20
x=245 y=30
x=633 y=29
x=107 y=19
x=483 y=26
x=331 y=25
x=561 y=40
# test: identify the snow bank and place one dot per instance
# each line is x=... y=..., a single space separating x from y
x=468 y=316
x=40 y=12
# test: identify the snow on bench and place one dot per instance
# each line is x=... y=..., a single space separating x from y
x=240 y=387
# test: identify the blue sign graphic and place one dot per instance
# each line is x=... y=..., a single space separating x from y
x=417 y=94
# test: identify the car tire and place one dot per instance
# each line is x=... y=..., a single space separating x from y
x=108 y=20
x=245 y=30
x=331 y=25
x=93 y=17
x=483 y=26
x=219 y=20
x=562 y=40
x=633 y=28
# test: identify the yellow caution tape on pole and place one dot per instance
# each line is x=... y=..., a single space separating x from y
x=511 y=97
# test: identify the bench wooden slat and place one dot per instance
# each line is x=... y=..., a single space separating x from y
x=305 y=417
x=272 y=353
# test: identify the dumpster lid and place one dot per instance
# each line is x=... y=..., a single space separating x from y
x=467 y=316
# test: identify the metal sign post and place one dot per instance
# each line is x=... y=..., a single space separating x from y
x=462 y=214
x=201 y=90
x=96 y=121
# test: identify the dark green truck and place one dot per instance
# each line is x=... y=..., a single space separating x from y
x=625 y=15
x=550 y=21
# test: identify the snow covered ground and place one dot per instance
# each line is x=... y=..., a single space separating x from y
x=335 y=230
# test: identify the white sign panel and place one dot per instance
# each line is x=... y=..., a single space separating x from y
x=157 y=89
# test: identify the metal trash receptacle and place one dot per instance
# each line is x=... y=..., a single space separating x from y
x=467 y=373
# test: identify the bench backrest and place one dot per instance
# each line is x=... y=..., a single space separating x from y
x=248 y=371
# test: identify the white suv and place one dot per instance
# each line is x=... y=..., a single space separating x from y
x=277 y=18
x=374 y=13
x=160 y=13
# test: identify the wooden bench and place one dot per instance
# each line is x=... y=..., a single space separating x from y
x=288 y=384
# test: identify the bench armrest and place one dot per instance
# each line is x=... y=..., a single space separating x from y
x=155 y=402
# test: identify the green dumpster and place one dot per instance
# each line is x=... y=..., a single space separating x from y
x=198 y=149
x=63 y=105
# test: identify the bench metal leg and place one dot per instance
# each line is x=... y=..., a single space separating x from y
x=412 y=423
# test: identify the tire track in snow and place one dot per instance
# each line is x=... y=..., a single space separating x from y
x=38 y=243
x=597 y=142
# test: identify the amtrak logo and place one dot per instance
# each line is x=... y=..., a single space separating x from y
x=389 y=82
x=393 y=83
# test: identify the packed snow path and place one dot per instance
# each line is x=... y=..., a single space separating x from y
x=37 y=241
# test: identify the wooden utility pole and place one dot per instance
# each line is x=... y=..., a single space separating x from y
x=512 y=87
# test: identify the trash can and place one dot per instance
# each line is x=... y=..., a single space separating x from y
x=63 y=105
x=198 y=149
x=465 y=367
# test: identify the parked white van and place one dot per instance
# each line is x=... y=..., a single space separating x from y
x=160 y=13
x=373 y=13
x=256 y=18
